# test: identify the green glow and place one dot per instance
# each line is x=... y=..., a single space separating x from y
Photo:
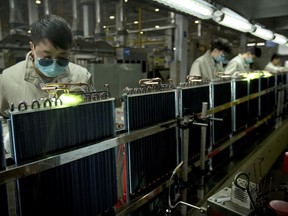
x=266 y=74
x=70 y=99
x=252 y=75
x=256 y=75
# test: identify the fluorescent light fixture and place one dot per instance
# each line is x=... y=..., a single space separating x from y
x=279 y=39
x=262 y=33
x=255 y=44
x=232 y=20
x=198 y=8
x=251 y=44
x=260 y=44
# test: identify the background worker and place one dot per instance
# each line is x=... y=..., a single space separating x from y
x=206 y=66
x=274 y=66
x=241 y=62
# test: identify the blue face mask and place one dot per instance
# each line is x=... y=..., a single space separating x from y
x=220 y=58
x=249 y=60
x=53 y=69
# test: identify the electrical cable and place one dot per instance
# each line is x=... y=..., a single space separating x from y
x=169 y=189
x=247 y=187
x=168 y=211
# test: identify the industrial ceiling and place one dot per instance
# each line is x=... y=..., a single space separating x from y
x=270 y=14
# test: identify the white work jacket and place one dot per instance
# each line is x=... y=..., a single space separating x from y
x=206 y=67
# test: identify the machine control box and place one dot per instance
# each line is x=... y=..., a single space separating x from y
x=240 y=196
x=220 y=204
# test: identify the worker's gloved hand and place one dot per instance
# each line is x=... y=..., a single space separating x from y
x=236 y=74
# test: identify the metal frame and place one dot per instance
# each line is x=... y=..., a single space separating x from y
x=15 y=172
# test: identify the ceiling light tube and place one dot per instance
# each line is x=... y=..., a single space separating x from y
x=198 y=8
x=260 y=44
x=231 y=19
x=262 y=33
x=279 y=39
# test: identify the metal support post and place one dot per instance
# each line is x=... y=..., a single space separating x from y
x=3 y=189
x=200 y=193
x=185 y=162
x=280 y=105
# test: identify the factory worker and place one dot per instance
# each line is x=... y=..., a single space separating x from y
x=274 y=66
x=47 y=62
x=241 y=62
x=206 y=66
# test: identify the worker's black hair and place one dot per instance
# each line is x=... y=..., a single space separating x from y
x=53 y=28
x=275 y=56
x=254 y=51
x=221 y=44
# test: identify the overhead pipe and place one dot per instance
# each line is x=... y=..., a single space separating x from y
x=140 y=32
x=98 y=25
x=76 y=21
x=140 y=29
x=120 y=16
x=120 y=24
x=1 y=30
x=12 y=19
x=15 y=19
x=60 y=7
x=169 y=39
x=143 y=21
x=32 y=12
x=46 y=7
x=88 y=18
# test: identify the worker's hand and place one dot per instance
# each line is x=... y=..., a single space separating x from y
x=236 y=74
x=193 y=78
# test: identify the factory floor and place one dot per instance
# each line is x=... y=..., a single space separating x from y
x=275 y=184
x=279 y=180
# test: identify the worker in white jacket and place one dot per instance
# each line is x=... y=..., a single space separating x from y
x=274 y=66
x=206 y=66
x=47 y=62
x=241 y=62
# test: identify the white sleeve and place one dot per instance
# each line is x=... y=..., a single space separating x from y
x=231 y=68
x=195 y=69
